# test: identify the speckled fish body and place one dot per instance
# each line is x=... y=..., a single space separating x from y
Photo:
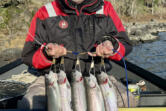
x=53 y=93
x=78 y=92
x=108 y=92
x=94 y=95
x=65 y=91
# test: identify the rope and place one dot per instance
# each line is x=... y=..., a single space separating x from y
x=77 y=53
x=35 y=39
x=126 y=77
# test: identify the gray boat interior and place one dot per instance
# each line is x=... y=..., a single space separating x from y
x=155 y=96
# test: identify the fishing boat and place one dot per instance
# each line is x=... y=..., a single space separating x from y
x=153 y=99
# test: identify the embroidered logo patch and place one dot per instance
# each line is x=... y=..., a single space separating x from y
x=63 y=24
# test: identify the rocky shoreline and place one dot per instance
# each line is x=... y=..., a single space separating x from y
x=145 y=31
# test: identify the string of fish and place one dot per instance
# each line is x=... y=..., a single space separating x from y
x=82 y=53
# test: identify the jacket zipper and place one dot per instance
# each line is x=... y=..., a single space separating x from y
x=76 y=10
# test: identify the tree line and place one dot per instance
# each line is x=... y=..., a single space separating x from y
x=135 y=8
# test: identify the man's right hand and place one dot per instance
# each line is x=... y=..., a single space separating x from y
x=55 y=50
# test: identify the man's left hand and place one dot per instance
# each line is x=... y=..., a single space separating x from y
x=104 y=49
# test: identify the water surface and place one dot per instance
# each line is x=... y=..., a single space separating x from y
x=151 y=56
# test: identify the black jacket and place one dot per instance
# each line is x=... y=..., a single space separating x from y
x=78 y=28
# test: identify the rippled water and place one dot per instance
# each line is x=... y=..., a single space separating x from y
x=151 y=56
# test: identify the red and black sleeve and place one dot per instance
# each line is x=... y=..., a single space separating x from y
x=124 y=44
x=32 y=53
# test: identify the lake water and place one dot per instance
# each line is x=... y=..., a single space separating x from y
x=151 y=56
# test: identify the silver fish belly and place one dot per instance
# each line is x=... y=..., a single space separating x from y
x=78 y=92
x=53 y=94
x=94 y=96
x=65 y=91
x=108 y=92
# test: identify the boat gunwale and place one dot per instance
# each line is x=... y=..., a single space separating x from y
x=147 y=75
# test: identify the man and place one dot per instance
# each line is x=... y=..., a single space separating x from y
x=75 y=25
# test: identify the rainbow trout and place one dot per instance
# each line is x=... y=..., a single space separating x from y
x=78 y=92
x=94 y=95
x=108 y=92
x=53 y=93
x=65 y=91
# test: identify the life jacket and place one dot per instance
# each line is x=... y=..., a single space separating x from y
x=78 y=28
